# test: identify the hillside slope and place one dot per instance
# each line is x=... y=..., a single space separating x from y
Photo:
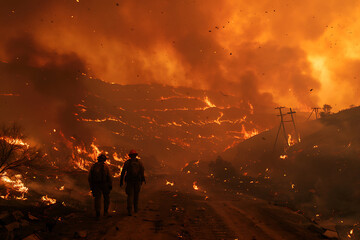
x=320 y=174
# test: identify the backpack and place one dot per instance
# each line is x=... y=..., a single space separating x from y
x=134 y=170
x=98 y=173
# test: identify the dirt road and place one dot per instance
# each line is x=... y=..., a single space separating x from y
x=180 y=212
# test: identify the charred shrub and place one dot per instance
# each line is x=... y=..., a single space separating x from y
x=222 y=169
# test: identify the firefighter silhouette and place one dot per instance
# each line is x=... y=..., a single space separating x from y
x=100 y=182
x=133 y=171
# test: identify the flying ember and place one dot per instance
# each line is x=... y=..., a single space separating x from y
x=106 y=104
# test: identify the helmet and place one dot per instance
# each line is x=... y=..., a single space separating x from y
x=132 y=152
x=101 y=158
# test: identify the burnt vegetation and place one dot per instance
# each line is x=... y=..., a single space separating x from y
x=15 y=153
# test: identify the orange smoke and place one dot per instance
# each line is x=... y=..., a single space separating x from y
x=263 y=51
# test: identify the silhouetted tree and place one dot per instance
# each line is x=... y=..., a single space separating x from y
x=14 y=151
x=222 y=169
x=326 y=110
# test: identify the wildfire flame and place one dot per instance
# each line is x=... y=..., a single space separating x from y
x=248 y=134
x=79 y=161
x=291 y=141
x=16 y=185
x=195 y=187
x=208 y=103
x=15 y=141
x=169 y=183
x=47 y=200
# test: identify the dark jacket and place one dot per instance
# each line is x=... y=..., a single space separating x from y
x=99 y=175
x=125 y=172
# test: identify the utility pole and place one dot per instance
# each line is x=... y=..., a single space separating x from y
x=315 y=110
x=292 y=113
x=282 y=126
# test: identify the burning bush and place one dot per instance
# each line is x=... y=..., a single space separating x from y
x=14 y=151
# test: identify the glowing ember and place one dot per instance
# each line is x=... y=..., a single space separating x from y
x=350 y=233
x=169 y=183
x=187 y=164
x=48 y=200
x=102 y=120
x=195 y=187
x=283 y=156
x=6 y=196
x=9 y=94
x=62 y=188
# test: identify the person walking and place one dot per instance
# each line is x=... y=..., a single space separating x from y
x=133 y=171
x=100 y=182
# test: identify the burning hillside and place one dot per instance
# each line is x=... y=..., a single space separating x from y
x=167 y=122
x=192 y=86
x=317 y=176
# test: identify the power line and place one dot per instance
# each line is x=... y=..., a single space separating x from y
x=315 y=110
x=282 y=126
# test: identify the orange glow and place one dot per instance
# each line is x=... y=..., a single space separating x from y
x=315 y=44
x=291 y=141
x=248 y=134
x=195 y=187
x=208 y=103
x=9 y=95
x=16 y=185
x=169 y=183
x=16 y=141
x=47 y=200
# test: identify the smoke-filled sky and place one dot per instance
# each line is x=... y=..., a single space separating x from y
x=292 y=53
